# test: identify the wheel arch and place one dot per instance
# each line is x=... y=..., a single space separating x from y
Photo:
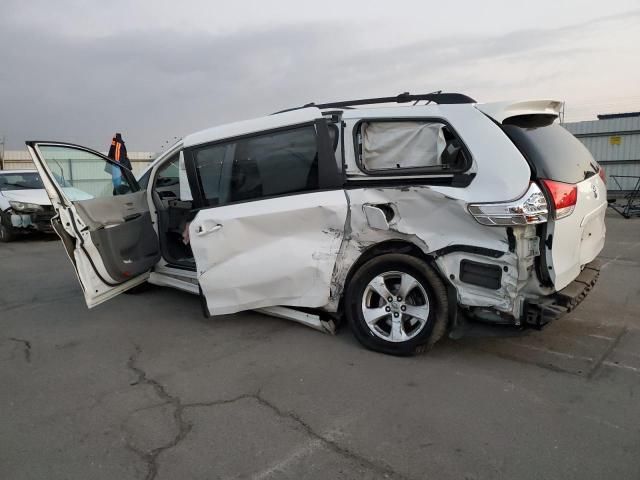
x=408 y=248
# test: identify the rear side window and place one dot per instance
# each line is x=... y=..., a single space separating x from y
x=553 y=152
x=214 y=180
x=266 y=165
x=275 y=164
x=408 y=147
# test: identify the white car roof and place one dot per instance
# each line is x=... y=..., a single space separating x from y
x=270 y=122
x=498 y=110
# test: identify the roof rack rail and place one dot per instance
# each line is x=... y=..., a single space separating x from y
x=406 y=97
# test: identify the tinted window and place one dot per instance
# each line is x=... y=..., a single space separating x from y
x=262 y=166
x=553 y=152
x=209 y=162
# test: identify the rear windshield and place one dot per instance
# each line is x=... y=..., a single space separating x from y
x=553 y=152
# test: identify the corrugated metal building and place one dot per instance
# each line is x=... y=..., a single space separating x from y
x=614 y=141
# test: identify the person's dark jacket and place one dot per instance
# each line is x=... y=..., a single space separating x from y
x=118 y=151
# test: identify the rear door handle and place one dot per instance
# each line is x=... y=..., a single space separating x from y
x=202 y=230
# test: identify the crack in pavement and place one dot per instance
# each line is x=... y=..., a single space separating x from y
x=151 y=457
x=184 y=427
x=26 y=347
x=381 y=469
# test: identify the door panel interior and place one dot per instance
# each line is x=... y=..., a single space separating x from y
x=128 y=249
x=173 y=216
x=102 y=218
x=107 y=211
x=122 y=232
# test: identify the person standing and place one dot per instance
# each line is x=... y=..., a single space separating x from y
x=118 y=153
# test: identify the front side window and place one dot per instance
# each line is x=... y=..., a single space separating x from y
x=168 y=174
x=405 y=146
x=266 y=165
x=83 y=175
x=167 y=179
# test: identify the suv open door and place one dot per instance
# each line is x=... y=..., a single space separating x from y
x=102 y=218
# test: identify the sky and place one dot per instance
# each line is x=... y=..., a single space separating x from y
x=156 y=70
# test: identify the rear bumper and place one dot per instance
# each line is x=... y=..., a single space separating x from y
x=543 y=311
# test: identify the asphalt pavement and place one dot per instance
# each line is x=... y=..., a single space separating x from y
x=144 y=387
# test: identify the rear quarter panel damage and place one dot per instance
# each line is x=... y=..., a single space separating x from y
x=431 y=221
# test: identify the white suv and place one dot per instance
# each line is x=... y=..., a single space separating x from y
x=400 y=218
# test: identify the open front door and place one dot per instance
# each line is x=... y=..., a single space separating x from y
x=102 y=218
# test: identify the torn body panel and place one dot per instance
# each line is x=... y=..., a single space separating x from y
x=309 y=319
x=417 y=215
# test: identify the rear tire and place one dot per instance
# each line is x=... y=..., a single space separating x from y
x=397 y=325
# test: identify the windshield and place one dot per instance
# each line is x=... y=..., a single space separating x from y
x=20 y=181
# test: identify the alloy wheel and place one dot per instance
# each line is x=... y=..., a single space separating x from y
x=395 y=306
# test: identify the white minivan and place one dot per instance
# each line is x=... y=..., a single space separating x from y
x=401 y=217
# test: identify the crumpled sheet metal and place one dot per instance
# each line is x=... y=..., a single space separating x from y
x=250 y=271
x=431 y=221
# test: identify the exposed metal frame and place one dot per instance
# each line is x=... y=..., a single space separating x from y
x=632 y=207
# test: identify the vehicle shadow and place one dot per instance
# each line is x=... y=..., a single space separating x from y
x=35 y=237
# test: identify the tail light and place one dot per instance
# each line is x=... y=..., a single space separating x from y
x=602 y=174
x=530 y=209
x=563 y=195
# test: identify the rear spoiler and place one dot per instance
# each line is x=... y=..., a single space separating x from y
x=500 y=111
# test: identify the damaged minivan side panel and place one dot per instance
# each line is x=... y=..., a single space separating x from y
x=415 y=215
x=435 y=218
x=271 y=215
x=280 y=251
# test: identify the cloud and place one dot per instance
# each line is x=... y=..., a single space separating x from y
x=153 y=84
